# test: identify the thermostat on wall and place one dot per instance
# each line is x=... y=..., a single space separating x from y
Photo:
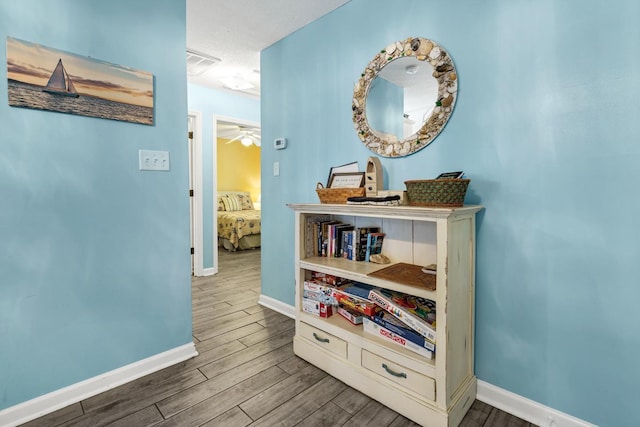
x=280 y=143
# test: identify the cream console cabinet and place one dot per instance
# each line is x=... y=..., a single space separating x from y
x=431 y=392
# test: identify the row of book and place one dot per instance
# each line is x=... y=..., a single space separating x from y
x=398 y=318
x=339 y=240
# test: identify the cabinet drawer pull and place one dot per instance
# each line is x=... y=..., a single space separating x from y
x=395 y=374
x=320 y=339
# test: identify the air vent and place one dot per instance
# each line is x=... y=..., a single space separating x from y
x=198 y=63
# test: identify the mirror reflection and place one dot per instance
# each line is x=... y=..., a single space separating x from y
x=404 y=97
x=401 y=98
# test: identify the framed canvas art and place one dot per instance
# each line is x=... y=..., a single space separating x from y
x=45 y=78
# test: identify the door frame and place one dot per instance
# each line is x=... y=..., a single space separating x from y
x=219 y=118
x=196 y=179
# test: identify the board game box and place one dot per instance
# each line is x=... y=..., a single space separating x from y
x=327 y=278
x=355 y=297
x=320 y=292
x=417 y=313
x=315 y=307
x=373 y=328
x=387 y=320
x=352 y=316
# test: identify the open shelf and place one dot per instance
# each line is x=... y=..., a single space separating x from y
x=360 y=271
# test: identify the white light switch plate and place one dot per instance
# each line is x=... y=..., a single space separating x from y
x=150 y=160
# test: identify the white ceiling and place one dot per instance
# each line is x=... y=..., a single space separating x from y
x=235 y=31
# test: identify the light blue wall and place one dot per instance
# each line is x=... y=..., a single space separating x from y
x=94 y=260
x=212 y=102
x=546 y=126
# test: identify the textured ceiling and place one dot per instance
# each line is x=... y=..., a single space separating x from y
x=237 y=30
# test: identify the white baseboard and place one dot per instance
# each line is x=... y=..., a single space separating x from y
x=279 y=306
x=209 y=271
x=526 y=409
x=35 y=408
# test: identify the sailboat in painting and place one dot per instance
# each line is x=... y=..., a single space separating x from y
x=60 y=83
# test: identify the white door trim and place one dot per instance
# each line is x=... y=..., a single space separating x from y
x=198 y=245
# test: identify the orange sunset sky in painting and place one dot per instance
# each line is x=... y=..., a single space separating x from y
x=33 y=63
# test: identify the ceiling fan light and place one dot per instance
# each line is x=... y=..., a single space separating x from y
x=236 y=83
x=246 y=141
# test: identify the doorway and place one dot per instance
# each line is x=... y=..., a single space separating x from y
x=236 y=160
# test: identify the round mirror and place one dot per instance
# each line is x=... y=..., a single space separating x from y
x=404 y=97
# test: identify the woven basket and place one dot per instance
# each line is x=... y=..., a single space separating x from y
x=444 y=193
x=338 y=196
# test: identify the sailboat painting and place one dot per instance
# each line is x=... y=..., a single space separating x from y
x=60 y=83
x=45 y=78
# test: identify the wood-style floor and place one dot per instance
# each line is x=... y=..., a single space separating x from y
x=245 y=374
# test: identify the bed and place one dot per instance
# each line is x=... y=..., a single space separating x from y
x=238 y=221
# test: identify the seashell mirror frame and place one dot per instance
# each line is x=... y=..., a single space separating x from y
x=444 y=72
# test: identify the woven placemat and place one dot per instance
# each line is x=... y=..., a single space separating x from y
x=407 y=274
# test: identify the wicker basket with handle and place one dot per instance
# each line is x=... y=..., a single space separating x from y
x=337 y=196
x=445 y=193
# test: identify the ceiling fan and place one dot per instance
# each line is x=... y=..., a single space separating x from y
x=247 y=136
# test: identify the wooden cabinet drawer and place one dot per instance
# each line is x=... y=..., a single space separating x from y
x=405 y=377
x=323 y=339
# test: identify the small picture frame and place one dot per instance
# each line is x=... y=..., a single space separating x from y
x=348 y=167
x=450 y=175
x=347 y=180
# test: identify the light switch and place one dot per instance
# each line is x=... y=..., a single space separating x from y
x=150 y=160
x=276 y=168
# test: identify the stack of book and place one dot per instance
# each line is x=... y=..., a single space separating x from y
x=333 y=238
